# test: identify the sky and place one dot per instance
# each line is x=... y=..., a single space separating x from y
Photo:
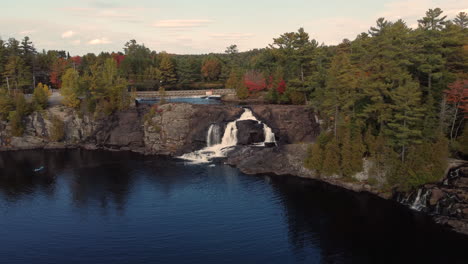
x=199 y=26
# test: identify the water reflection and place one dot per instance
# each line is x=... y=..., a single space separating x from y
x=359 y=228
x=155 y=208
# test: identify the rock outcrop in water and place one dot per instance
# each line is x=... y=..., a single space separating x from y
x=446 y=201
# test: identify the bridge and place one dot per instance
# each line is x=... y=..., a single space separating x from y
x=148 y=95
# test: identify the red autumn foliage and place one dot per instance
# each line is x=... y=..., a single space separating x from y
x=254 y=81
x=76 y=60
x=118 y=58
x=280 y=87
x=457 y=94
x=58 y=68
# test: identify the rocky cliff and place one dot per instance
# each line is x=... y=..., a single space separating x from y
x=171 y=129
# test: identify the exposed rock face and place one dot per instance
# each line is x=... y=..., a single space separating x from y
x=290 y=123
x=173 y=130
x=288 y=159
x=249 y=132
x=446 y=201
x=180 y=128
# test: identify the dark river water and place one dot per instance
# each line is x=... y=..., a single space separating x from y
x=108 y=207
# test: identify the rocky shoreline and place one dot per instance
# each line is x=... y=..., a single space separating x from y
x=178 y=128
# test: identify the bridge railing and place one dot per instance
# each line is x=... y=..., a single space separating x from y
x=182 y=93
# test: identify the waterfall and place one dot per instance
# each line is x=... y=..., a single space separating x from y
x=420 y=201
x=269 y=135
x=213 y=137
x=218 y=147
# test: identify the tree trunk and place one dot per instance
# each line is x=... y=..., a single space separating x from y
x=443 y=106
x=453 y=122
x=302 y=73
x=336 y=120
x=458 y=128
x=429 y=82
x=403 y=148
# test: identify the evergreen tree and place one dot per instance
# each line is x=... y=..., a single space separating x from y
x=405 y=126
x=168 y=74
x=331 y=162
x=314 y=160
x=432 y=20
x=461 y=20
x=341 y=90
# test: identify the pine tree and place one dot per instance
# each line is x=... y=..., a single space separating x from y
x=341 y=90
x=331 y=162
x=461 y=20
x=405 y=126
x=346 y=152
x=432 y=20
x=385 y=66
x=315 y=157
x=358 y=149
x=167 y=69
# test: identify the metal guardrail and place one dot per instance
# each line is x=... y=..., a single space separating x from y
x=182 y=93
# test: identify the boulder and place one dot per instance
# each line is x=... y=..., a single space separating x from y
x=249 y=132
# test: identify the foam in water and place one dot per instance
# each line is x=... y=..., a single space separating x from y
x=216 y=149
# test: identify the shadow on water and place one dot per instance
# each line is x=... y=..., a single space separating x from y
x=263 y=219
x=353 y=227
x=94 y=176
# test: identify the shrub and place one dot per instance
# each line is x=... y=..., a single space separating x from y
x=7 y=105
x=57 y=132
x=41 y=96
x=16 y=123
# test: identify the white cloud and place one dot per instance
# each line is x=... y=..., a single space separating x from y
x=182 y=23
x=68 y=34
x=232 y=36
x=27 y=32
x=99 y=41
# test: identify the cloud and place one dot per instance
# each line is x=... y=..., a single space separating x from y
x=99 y=41
x=27 y=32
x=232 y=36
x=130 y=14
x=182 y=23
x=76 y=42
x=103 y=4
x=68 y=34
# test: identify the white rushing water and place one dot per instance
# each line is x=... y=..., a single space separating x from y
x=218 y=147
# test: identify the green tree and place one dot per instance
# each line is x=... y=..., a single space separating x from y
x=70 y=88
x=341 y=89
x=461 y=20
x=331 y=162
x=314 y=160
x=405 y=126
x=433 y=20
x=167 y=69
x=41 y=96
x=7 y=104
